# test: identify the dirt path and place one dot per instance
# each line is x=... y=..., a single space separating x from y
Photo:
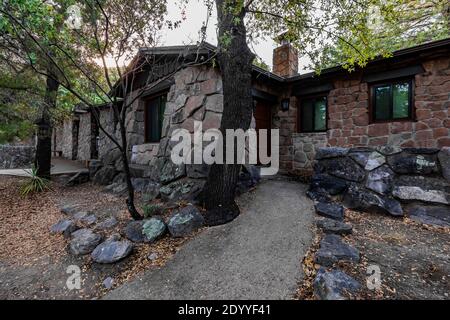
x=257 y=256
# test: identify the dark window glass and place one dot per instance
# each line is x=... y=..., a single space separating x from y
x=313 y=114
x=392 y=101
x=154 y=118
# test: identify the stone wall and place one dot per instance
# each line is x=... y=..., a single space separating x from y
x=393 y=180
x=304 y=148
x=67 y=145
x=142 y=154
x=14 y=157
x=84 y=137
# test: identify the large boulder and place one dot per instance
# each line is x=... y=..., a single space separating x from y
x=64 y=227
x=153 y=229
x=330 y=152
x=334 y=285
x=84 y=241
x=185 y=221
x=434 y=215
x=78 y=178
x=105 y=175
x=333 y=249
x=330 y=210
x=111 y=251
x=94 y=166
x=342 y=167
x=334 y=226
x=380 y=180
x=365 y=200
x=171 y=172
x=405 y=163
x=330 y=184
x=374 y=161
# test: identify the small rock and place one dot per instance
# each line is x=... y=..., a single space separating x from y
x=108 y=283
x=108 y=223
x=114 y=237
x=153 y=256
x=389 y=150
x=80 y=215
x=84 y=241
x=333 y=226
x=133 y=231
x=333 y=249
x=330 y=210
x=89 y=219
x=153 y=229
x=324 y=153
x=185 y=221
x=380 y=180
x=333 y=285
x=111 y=251
x=318 y=195
x=417 y=193
x=65 y=227
x=69 y=210
x=330 y=184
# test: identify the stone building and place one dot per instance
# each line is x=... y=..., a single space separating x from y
x=401 y=101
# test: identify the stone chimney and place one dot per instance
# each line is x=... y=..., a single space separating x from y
x=285 y=58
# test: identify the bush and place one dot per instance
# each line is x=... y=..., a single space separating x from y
x=151 y=210
x=34 y=184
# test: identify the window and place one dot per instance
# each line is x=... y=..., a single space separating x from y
x=313 y=114
x=392 y=101
x=154 y=116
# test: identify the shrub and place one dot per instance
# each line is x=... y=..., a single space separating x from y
x=151 y=210
x=34 y=184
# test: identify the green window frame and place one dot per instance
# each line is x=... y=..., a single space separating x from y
x=154 y=117
x=392 y=101
x=313 y=114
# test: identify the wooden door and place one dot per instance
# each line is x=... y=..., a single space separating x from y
x=263 y=119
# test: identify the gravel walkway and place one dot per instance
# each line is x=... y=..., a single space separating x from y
x=257 y=256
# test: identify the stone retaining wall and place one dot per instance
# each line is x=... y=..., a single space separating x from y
x=397 y=181
x=14 y=157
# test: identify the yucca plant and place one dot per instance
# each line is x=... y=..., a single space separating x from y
x=34 y=184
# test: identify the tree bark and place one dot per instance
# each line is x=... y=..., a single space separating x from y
x=235 y=62
x=42 y=160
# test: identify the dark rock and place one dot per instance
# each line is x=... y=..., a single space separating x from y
x=120 y=178
x=434 y=215
x=333 y=249
x=427 y=183
x=197 y=171
x=79 y=178
x=111 y=251
x=151 y=192
x=380 y=180
x=330 y=184
x=183 y=189
x=185 y=221
x=108 y=223
x=89 y=219
x=133 y=231
x=444 y=160
x=318 y=195
x=65 y=227
x=84 y=241
x=332 y=152
x=69 y=210
x=94 y=166
x=153 y=229
x=361 y=149
x=342 y=168
x=248 y=179
x=360 y=157
x=80 y=215
x=334 y=285
x=110 y=157
x=365 y=200
x=105 y=175
x=421 y=150
x=334 y=226
x=141 y=184
x=330 y=210
x=413 y=164
x=171 y=172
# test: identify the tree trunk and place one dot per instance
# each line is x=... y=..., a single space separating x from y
x=42 y=160
x=235 y=62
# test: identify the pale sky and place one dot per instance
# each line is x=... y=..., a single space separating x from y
x=188 y=32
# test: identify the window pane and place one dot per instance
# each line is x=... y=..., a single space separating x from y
x=382 y=98
x=307 y=115
x=152 y=121
x=401 y=100
x=320 y=114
